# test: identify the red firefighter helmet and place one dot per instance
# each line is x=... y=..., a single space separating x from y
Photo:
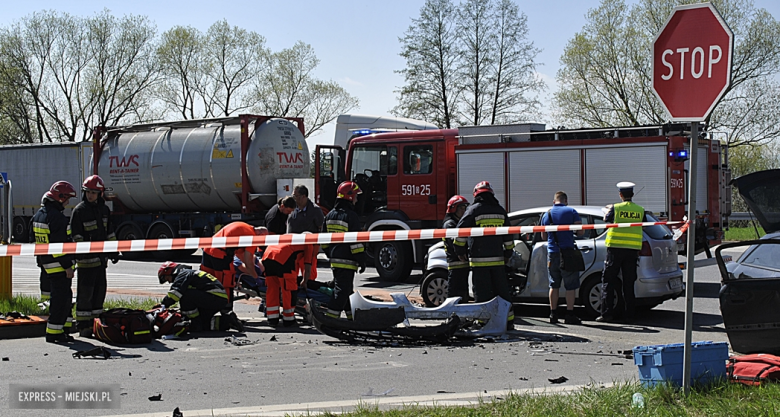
x=348 y=190
x=93 y=183
x=482 y=187
x=168 y=268
x=61 y=191
x=456 y=201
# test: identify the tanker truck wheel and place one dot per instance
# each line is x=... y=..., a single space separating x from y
x=20 y=230
x=393 y=260
x=130 y=232
x=163 y=231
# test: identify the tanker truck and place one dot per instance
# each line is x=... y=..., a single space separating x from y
x=189 y=178
x=167 y=179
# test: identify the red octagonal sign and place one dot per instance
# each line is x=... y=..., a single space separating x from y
x=692 y=62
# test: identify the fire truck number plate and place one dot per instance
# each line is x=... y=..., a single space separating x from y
x=413 y=189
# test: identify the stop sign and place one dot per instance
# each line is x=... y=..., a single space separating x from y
x=692 y=62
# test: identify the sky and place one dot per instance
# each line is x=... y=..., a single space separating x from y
x=356 y=41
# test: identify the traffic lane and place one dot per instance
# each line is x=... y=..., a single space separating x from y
x=291 y=366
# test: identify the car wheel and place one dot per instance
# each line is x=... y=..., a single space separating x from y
x=434 y=288
x=393 y=260
x=590 y=295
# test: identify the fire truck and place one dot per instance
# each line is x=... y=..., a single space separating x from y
x=408 y=176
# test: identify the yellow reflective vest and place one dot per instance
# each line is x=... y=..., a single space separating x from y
x=626 y=237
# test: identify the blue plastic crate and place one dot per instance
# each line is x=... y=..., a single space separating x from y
x=661 y=363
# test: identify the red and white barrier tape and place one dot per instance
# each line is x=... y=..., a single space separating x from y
x=297 y=239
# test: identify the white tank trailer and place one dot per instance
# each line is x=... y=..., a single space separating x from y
x=198 y=169
x=187 y=179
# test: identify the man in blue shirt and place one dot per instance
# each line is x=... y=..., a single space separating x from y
x=561 y=215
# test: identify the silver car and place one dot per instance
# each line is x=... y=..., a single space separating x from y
x=659 y=273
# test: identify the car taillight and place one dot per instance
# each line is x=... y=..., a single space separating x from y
x=645 y=251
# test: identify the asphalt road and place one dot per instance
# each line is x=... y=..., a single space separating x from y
x=278 y=371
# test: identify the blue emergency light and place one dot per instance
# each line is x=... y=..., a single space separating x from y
x=681 y=155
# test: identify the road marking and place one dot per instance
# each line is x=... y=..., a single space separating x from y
x=382 y=402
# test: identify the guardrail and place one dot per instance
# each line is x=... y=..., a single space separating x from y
x=742 y=216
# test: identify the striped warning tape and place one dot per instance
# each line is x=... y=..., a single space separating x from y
x=297 y=239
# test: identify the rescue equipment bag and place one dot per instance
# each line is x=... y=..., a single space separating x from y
x=753 y=369
x=123 y=326
x=167 y=322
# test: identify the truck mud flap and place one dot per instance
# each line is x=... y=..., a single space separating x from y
x=750 y=314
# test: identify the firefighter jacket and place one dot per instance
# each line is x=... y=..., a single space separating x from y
x=49 y=225
x=625 y=237
x=190 y=279
x=343 y=218
x=91 y=222
x=485 y=251
x=453 y=262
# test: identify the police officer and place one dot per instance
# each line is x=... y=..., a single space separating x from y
x=91 y=222
x=487 y=255
x=49 y=225
x=457 y=269
x=345 y=258
x=200 y=296
x=623 y=245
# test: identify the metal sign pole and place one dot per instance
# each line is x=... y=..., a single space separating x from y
x=690 y=254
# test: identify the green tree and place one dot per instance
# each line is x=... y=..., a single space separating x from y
x=180 y=56
x=288 y=88
x=605 y=77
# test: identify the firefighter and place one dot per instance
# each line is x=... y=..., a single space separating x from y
x=487 y=255
x=623 y=246
x=281 y=276
x=345 y=258
x=219 y=261
x=200 y=296
x=90 y=222
x=49 y=225
x=457 y=270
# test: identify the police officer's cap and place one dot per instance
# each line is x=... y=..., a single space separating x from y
x=625 y=186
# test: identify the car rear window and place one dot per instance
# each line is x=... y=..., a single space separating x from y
x=657 y=232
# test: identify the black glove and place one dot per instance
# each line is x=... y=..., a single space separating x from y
x=362 y=268
x=114 y=258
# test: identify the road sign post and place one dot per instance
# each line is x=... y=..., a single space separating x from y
x=691 y=72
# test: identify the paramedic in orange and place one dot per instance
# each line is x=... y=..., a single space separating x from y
x=281 y=275
x=219 y=261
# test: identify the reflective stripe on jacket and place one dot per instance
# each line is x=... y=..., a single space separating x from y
x=49 y=225
x=626 y=237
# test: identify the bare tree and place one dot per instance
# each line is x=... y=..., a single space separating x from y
x=477 y=62
x=73 y=73
x=287 y=88
x=431 y=49
x=514 y=68
x=121 y=71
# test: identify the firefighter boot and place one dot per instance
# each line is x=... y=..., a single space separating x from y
x=61 y=338
x=234 y=322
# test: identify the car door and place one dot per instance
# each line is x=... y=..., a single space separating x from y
x=586 y=243
x=532 y=249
